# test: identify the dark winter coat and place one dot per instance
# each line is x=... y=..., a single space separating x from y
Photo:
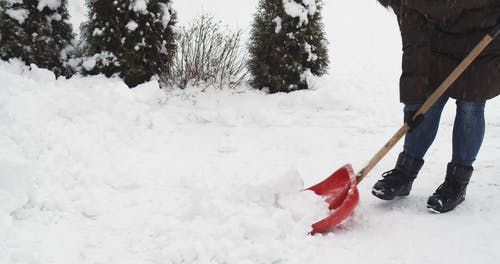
x=437 y=35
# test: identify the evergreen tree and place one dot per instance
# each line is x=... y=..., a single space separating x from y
x=287 y=45
x=132 y=38
x=37 y=32
x=12 y=35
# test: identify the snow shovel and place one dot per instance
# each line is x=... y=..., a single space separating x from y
x=340 y=191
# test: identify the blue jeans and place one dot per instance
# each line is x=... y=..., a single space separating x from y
x=468 y=131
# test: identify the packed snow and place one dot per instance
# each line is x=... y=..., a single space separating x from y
x=93 y=172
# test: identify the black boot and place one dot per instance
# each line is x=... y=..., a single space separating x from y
x=452 y=192
x=398 y=182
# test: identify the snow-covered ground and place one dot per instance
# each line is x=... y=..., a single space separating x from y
x=93 y=172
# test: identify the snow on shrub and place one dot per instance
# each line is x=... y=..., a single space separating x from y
x=133 y=39
x=36 y=32
x=287 y=45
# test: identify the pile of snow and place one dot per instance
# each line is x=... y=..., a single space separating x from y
x=88 y=157
x=94 y=172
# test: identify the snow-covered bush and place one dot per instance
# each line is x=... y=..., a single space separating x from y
x=36 y=31
x=132 y=38
x=287 y=45
x=208 y=54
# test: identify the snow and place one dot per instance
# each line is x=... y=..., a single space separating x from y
x=52 y=4
x=89 y=63
x=97 y=32
x=308 y=77
x=301 y=10
x=94 y=172
x=105 y=57
x=56 y=17
x=278 y=21
x=166 y=9
x=19 y=14
x=140 y=6
x=132 y=25
x=311 y=55
x=12 y=2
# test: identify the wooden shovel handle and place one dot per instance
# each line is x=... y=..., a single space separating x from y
x=429 y=102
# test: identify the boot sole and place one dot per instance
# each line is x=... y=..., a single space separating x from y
x=386 y=197
x=441 y=210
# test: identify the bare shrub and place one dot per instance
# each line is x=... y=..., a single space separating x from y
x=208 y=54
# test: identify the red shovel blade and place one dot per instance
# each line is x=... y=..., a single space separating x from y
x=341 y=194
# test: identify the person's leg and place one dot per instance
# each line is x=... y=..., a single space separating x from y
x=418 y=141
x=468 y=134
x=398 y=182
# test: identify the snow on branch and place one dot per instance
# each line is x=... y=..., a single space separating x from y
x=301 y=9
